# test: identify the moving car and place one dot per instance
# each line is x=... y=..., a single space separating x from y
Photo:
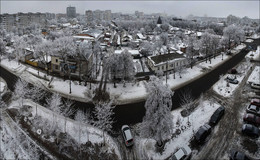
x=251 y=118
x=237 y=155
x=255 y=85
x=183 y=153
x=250 y=130
x=256 y=102
x=202 y=133
x=217 y=115
x=127 y=135
x=232 y=79
x=253 y=109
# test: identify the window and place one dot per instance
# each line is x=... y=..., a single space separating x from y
x=162 y=67
x=176 y=63
x=158 y=68
x=57 y=60
x=56 y=66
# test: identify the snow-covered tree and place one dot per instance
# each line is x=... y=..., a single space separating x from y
x=157 y=122
x=147 y=49
x=233 y=34
x=21 y=90
x=84 y=52
x=67 y=110
x=128 y=65
x=2 y=47
x=190 y=51
x=43 y=51
x=19 y=48
x=205 y=45
x=187 y=102
x=104 y=116
x=164 y=38
x=54 y=103
x=215 y=44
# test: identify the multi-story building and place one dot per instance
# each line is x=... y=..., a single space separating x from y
x=107 y=15
x=139 y=14
x=71 y=12
x=98 y=14
x=89 y=15
x=8 y=21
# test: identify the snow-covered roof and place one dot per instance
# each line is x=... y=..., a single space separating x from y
x=161 y=59
x=66 y=24
x=199 y=34
x=140 y=35
x=133 y=52
x=84 y=37
x=92 y=32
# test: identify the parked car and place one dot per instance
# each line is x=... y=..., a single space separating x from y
x=250 y=130
x=232 y=79
x=183 y=153
x=217 y=115
x=233 y=71
x=251 y=118
x=237 y=155
x=255 y=85
x=255 y=101
x=202 y=133
x=253 y=109
x=127 y=135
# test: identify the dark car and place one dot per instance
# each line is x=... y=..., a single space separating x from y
x=232 y=79
x=237 y=155
x=250 y=130
x=217 y=115
x=256 y=102
x=251 y=118
x=253 y=109
x=202 y=133
x=233 y=71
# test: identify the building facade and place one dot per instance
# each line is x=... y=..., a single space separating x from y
x=166 y=62
x=71 y=12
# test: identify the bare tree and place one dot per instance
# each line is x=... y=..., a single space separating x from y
x=157 y=122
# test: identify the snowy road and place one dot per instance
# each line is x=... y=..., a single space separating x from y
x=227 y=134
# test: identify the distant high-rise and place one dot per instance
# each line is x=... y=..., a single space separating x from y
x=89 y=15
x=71 y=12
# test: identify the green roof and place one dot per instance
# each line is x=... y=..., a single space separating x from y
x=166 y=57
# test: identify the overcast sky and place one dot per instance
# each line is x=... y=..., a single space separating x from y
x=178 y=8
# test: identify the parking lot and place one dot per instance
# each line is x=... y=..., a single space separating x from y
x=227 y=135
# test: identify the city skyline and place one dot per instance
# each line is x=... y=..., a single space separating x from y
x=176 y=8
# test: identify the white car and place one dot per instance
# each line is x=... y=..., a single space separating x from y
x=255 y=85
x=127 y=135
x=183 y=153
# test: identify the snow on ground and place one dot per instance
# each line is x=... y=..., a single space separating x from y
x=12 y=65
x=226 y=90
x=198 y=118
x=254 y=77
x=132 y=92
x=254 y=55
x=87 y=132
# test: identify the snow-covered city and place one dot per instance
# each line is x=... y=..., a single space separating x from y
x=130 y=80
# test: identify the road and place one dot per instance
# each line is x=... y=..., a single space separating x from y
x=227 y=135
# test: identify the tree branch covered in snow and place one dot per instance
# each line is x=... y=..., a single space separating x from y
x=157 y=122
